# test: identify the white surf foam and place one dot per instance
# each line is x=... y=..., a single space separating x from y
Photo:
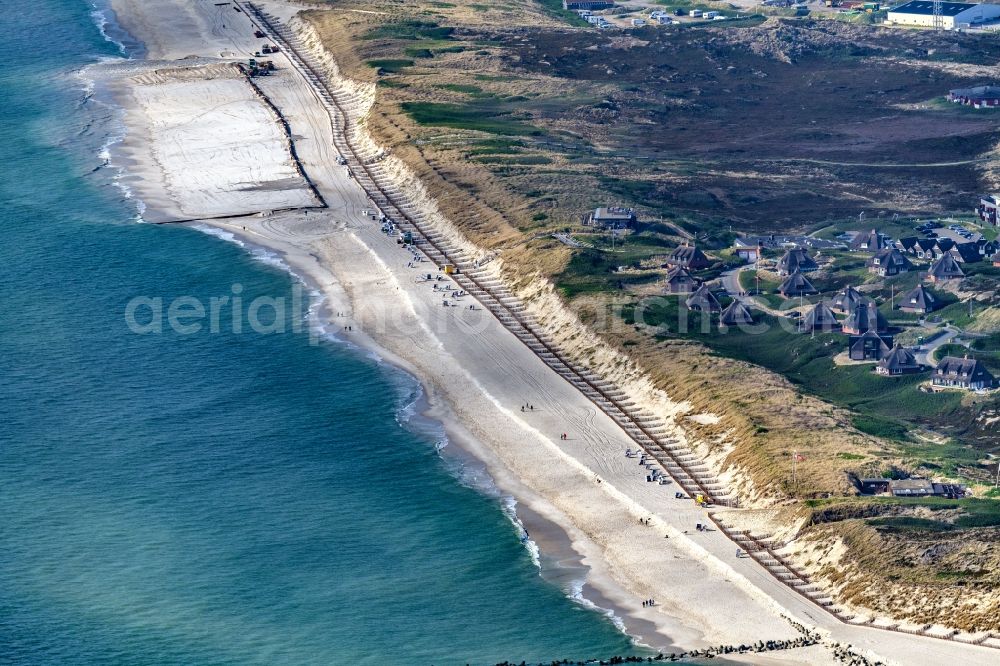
x=509 y=507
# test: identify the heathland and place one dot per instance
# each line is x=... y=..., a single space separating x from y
x=518 y=120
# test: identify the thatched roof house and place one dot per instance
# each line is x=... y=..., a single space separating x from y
x=679 y=281
x=945 y=268
x=820 y=318
x=796 y=259
x=703 y=300
x=690 y=257
x=919 y=300
x=889 y=262
x=869 y=346
x=869 y=241
x=967 y=373
x=846 y=300
x=899 y=361
x=796 y=284
x=736 y=314
x=865 y=317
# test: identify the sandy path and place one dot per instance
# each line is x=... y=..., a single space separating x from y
x=478 y=374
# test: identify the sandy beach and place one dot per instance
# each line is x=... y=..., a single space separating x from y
x=202 y=145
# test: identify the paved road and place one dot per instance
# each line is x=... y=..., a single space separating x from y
x=926 y=354
x=731 y=283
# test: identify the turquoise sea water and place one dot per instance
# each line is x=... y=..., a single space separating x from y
x=228 y=498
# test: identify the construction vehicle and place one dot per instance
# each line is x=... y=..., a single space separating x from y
x=450 y=269
x=407 y=238
x=259 y=67
x=256 y=67
x=259 y=34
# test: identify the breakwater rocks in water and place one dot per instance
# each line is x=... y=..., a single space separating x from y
x=807 y=639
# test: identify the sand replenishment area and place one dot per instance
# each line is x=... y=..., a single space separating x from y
x=201 y=144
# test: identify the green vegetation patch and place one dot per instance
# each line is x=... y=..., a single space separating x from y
x=850 y=456
x=478 y=117
x=410 y=30
x=555 y=8
x=910 y=524
x=463 y=88
x=390 y=65
x=880 y=427
x=516 y=160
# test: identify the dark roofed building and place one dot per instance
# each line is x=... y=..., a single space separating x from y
x=915 y=487
x=942 y=245
x=907 y=245
x=945 y=268
x=679 y=281
x=899 y=361
x=925 y=248
x=688 y=256
x=820 y=318
x=869 y=241
x=869 y=346
x=988 y=248
x=874 y=486
x=966 y=253
x=796 y=259
x=977 y=96
x=919 y=300
x=592 y=5
x=796 y=284
x=704 y=300
x=888 y=262
x=949 y=490
x=612 y=217
x=912 y=487
x=865 y=317
x=966 y=373
x=737 y=313
x=846 y=300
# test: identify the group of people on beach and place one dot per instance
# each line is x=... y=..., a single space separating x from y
x=527 y=408
x=649 y=602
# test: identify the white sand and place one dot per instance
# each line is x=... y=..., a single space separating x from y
x=478 y=374
x=219 y=148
